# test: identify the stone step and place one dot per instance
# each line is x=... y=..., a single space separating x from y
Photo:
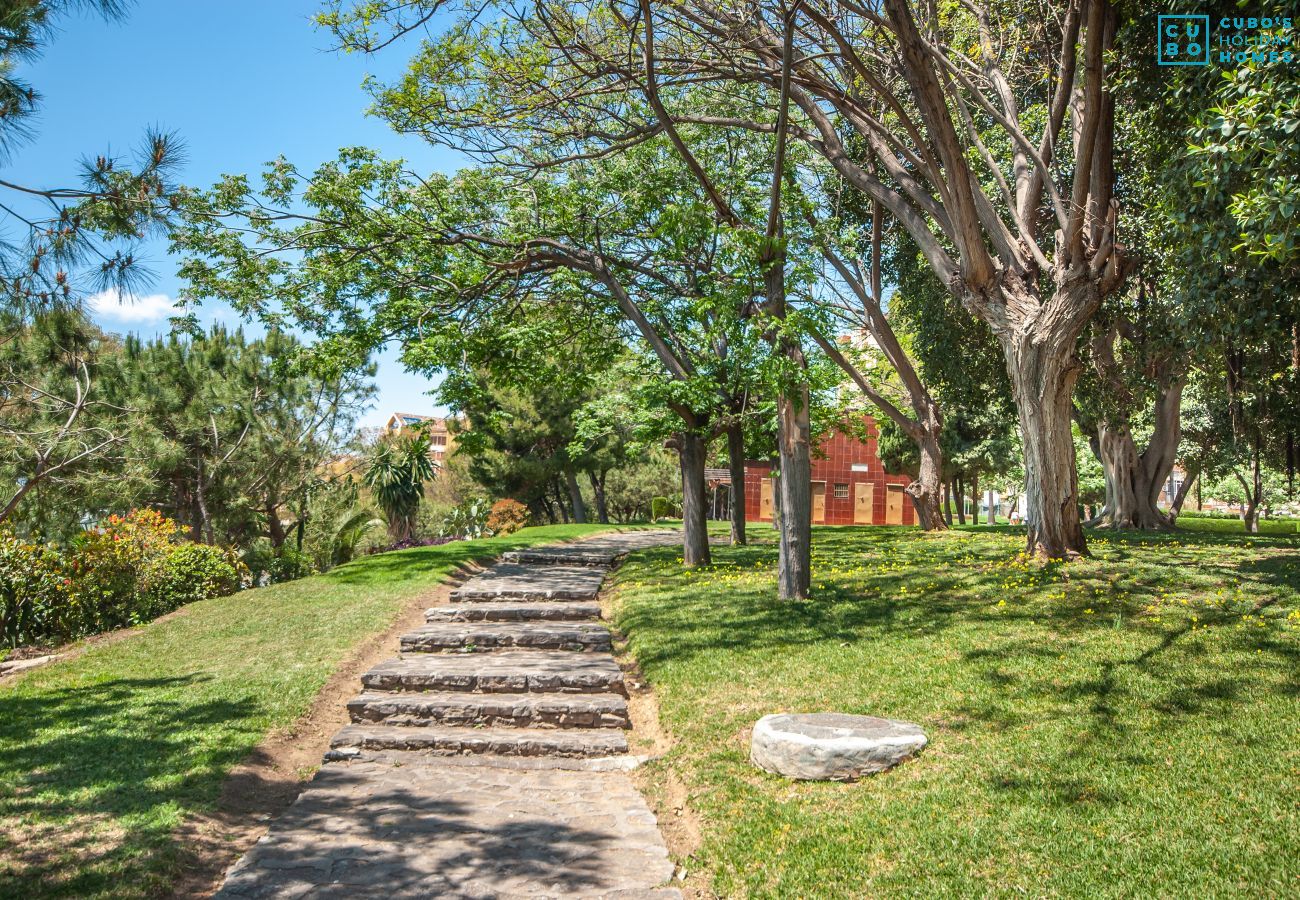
x=505 y=671
x=529 y=611
x=496 y=710
x=512 y=581
x=564 y=556
x=555 y=742
x=492 y=635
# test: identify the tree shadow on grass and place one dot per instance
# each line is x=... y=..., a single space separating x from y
x=93 y=778
x=1098 y=665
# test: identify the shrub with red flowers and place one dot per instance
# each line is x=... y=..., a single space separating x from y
x=125 y=571
x=507 y=517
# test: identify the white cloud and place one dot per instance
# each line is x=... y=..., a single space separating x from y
x=131 y=308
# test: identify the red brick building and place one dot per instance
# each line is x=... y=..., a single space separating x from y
x=850 y=486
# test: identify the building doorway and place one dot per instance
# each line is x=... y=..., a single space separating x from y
x=864 y=495
x=894 y=504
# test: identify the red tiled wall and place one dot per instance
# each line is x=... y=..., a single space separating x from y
x=833 y=465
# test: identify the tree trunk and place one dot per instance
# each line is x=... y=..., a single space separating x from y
x=927 y=489
x=559 y=501
x=598 y=491
x=959 y=499
x=1176 y=508
x=992 y=518
x=1134 y=480
x=575 y=496
x=1043 y=373
x=975 y=498
x=1250 y=515
x=695 y=522
x=204 y=524
x=794 y=560
x=1254 y=493
x=947 y=503
x=300 y=526
x=736 y=467
x=274 y=527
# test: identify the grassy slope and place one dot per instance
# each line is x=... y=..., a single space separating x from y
x=102 y=756
x=1123 y=726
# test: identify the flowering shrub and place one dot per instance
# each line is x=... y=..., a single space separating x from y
x=507 y=517
x=116 y=567
x=125 y=571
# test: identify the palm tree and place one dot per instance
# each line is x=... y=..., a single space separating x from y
x=397 y=472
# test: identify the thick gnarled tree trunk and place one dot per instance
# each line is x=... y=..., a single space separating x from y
x=1134 y=480
x=1043 y=368
x=927 y=489
x=575 y=496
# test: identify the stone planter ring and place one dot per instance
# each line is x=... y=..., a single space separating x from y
x=832 y=746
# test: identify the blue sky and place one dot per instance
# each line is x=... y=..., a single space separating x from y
x=241 y=81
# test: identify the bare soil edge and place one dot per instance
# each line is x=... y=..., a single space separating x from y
x=659 y=785
x=266 y=783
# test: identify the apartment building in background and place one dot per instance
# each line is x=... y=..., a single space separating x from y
x=440 y=435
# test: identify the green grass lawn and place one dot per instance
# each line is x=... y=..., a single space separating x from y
x=1236 y=526
x=1123 y=726
x=104 y=755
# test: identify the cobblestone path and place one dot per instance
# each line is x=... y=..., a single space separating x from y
x=489 y=760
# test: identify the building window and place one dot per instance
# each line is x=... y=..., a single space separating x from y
x=439 y=440
x=841 y=492
x=859 y=467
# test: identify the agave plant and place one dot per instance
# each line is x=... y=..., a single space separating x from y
x=397 y=472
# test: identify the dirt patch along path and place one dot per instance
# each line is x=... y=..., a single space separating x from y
x=664 y=792
x=270 y=779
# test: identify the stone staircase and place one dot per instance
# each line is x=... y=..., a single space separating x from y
x=518 y=664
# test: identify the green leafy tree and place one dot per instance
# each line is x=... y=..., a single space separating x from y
x=998 y=162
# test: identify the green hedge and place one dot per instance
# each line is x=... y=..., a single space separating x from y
x=125 y=571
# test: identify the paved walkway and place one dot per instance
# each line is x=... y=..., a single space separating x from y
x=487 y=761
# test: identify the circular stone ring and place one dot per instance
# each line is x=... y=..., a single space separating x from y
x=832 y=746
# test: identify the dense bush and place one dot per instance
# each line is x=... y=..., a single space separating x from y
x=127 y=570
x=34 y=597
x=270 y=565
x=194 y=572
x=660 y=508
x=507 y=517
x=1208 y=514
